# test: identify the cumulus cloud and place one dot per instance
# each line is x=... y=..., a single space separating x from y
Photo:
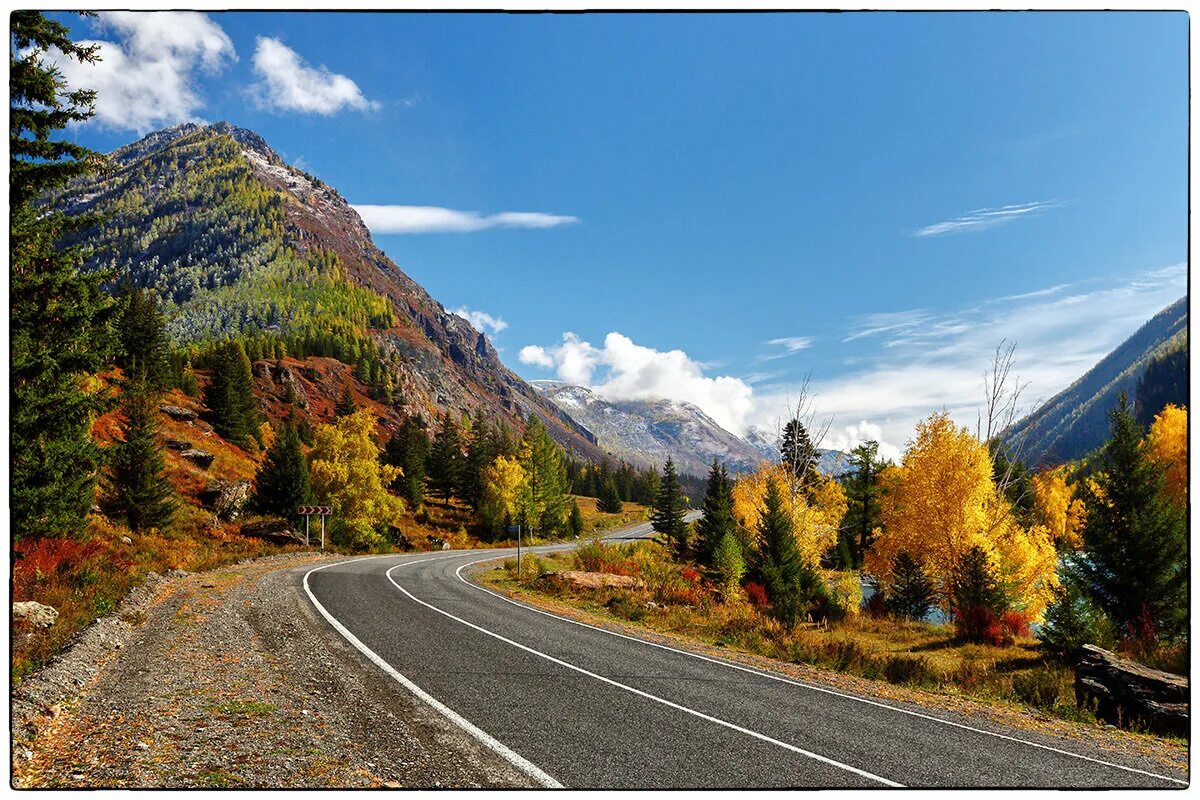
x=983 y=218
x=848 y=437
x=288 y=83
x=431 y=219
x=624 y=370
x=145 y=78
x=481 y=320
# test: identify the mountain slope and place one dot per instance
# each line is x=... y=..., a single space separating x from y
x=236 y=241
x=1075 y=421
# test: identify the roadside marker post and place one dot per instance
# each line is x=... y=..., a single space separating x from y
x=518 y=529
x=309 y=511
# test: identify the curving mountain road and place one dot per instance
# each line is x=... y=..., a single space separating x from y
x=573 y=705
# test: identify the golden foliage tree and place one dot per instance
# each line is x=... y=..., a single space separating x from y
x=1058 y=508
x=815 y=513
x=346 y=473
x=941 y=501
x=1167 y=445
x=506 y=495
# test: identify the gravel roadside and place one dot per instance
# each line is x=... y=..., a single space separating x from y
x=229 y=678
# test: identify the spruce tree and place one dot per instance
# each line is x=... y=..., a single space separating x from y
x=281 y=483
x=717 y=522
x=575 y=520
x=798 y=454
x=794 y=587
x=143 y=337
x=862 y=500
x=610 y=498
x=229 y=395
x=445 y=459
x=1134 y=561
x=140 y=490
x=543 y=463
x=346 y=404
x=408 y=448
x=669 y=509
x=58 y=323
x=911 y=594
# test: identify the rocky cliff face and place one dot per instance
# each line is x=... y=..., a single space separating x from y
x=237 y=241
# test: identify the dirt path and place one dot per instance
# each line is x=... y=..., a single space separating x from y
x=228 y=678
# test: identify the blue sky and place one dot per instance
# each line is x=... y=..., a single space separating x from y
x=715 y=206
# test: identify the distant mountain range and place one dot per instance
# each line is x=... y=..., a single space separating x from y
x=647 y=432
x=1150 y=367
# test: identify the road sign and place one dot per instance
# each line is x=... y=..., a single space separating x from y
x=323 y=511
x=514 y=528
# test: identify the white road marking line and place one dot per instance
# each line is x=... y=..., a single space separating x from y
x=813 y=687
x=522 y=764
x=763 y=737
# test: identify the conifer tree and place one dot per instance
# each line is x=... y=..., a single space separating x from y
x=717 y=522
x=798 y=454
x=610 y=498
x=910 y=594
x=1134 y=565
x=140 y=490
x=229 y=397
x=862 y=500
x=282 y=482
x=143 y=337
x=794 y=587
x=408 y=449
x=346 y=404
x=543 y=463
x=445 y=459
x=575 y=520
x=58 y=323
x=669 y=509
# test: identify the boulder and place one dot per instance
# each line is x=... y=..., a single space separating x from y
x=292 y=388
x=594 y=580
x=226 y=498
x=274 y=530
x=42 y=616
x=178 y=413
x=177 y=444
x=201 y=458
x=1128 y=694
x=438 y=543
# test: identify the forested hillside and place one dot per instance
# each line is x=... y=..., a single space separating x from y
x=1150 y=367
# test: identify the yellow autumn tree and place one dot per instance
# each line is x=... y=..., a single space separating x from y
x=941 y=501
x=1167 y=445
x=1058 y=508
x=346 y=474
x=816 y=510
x=506 y=494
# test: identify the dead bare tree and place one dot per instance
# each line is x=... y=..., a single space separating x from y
x=996 y=423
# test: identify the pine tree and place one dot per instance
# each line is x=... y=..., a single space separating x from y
x=911 y=594
x=58 y=323
x=610 y=498
x=862 y=500
x=798 y=454
x=575 y=520
x=282 y=483
x=717 y=522
x=669 y=509
x=445 y=459
x=543 y=463
x=229 y=396
x=794 y=587
x=346 y=404
x=139 y=488
x=143 y=337
x=408 y=449
x=1134 y=564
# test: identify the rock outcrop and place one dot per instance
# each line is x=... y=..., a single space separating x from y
x=226 y=498
x=1128 y=694
x=593 y=580
x=274 y=530
x=37 y=614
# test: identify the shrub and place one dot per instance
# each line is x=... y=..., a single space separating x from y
x=980 y=624
x=979 y=599
x=1038 y=688
x=845 y=594
x=729 y=565
x=910 y=670
x=876 y=604
x=757 y=594
x=623 y=605
x=1073 y=620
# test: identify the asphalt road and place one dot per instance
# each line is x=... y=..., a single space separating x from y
x=576 y=706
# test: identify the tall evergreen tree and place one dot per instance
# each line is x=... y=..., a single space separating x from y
x=610 y=497
x=543 y=463
x=718 y=520
x=798 y=454
x=669 y=509
x=229 y=397
x=346 y=405
x=58 y=323
x=911 y=593
x=445 y=459
x=575 y=520
x=408 y=449
x=862 y=499
x=143 y=337
x=140 y=490
x=794 y=587
x=282 y=481
x=1134 y=561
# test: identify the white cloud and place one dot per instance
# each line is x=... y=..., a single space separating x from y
x=983 y=218
x=481 y=320
x=431 y=219
x=929 y=361
x=624 y=370
x=145 y=79
x=288 y=83
x=847 y=437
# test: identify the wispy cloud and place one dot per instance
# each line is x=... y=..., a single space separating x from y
x=482 y=320
x=432 y=219
x=792 y=344
x=983 y=218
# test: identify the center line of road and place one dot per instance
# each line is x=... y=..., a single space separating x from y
x=699 y=714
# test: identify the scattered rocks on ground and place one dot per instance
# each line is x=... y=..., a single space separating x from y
x=42 y=616
x=201 y=458
x=226 y=498
x=1126 y=693
x=437 y=543
x=178 y=413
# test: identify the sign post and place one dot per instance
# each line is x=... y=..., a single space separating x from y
x=517 y=529
x=309 y=511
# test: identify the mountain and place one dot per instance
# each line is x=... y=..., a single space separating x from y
x=235 y=241
x=1075 y=421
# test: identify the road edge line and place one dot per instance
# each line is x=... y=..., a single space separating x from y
x=522 y=764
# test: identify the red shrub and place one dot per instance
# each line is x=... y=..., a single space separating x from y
x=757 y=594
x=1015 y=623
x=690 y=575
x=980 y=624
